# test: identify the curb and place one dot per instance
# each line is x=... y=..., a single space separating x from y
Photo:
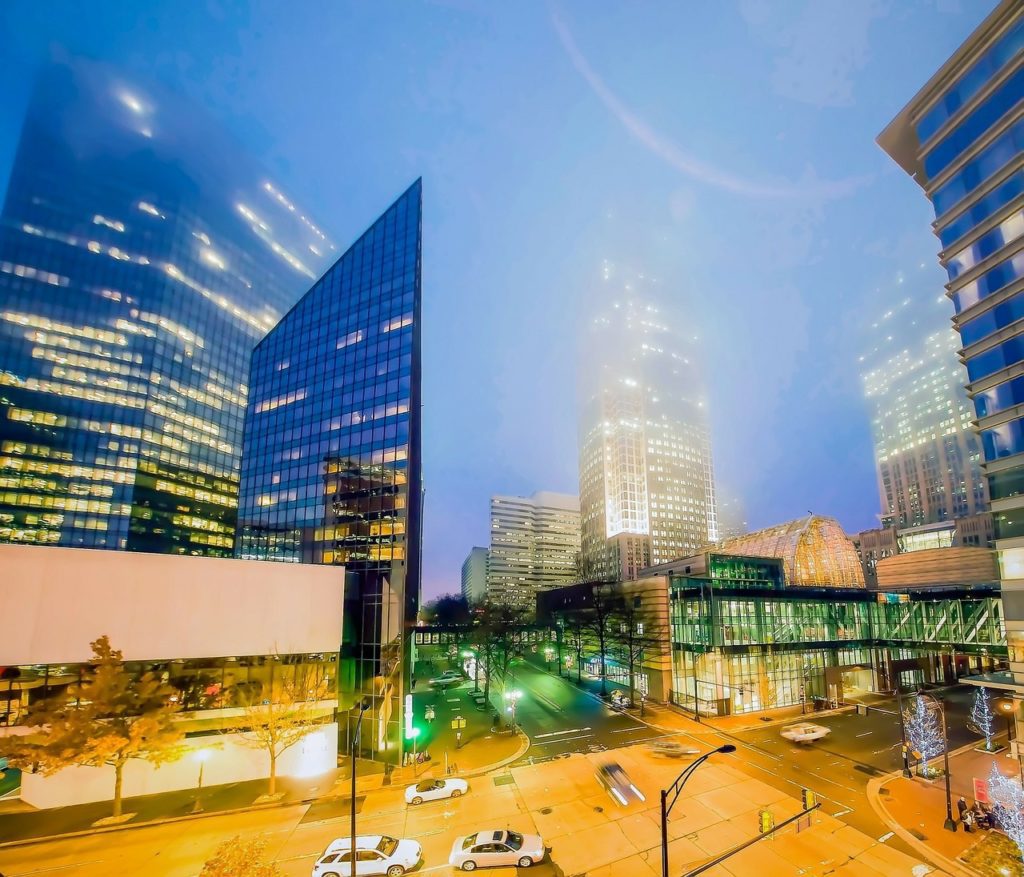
x=524 y=745
x=188 y=817
x=951 y=866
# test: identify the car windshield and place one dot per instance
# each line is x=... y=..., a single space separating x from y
x=387 y=845
x=514 y=840
x=468 y=842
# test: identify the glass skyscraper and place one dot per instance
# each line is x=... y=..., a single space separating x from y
x=331 y=460
x=647 y=491
x=142 y=256
x=962 y=140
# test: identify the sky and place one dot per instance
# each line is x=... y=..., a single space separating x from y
x=725 y=148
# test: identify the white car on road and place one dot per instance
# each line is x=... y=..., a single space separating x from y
x=488 y=849
x=805 y=732
x=433 y=790
x=448 y=677
x=375 y=854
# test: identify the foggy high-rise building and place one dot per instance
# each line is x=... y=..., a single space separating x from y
x=647 y=492
x=142 y=256
x=474 y=576
x=535 y=545
x=927 y=455
x=732 y=514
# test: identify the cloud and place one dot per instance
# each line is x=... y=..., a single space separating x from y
x=819 y=49
x=808 y=187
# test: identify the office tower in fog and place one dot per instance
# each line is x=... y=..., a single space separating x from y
x=474 y=577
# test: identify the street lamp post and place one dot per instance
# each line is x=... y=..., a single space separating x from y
x=950 y=823
x=513 y=698
x=201 y=756
x=903 y=733
x=676 y=788
x=363 y=705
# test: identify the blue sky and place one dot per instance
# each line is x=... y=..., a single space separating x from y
x=727 y=148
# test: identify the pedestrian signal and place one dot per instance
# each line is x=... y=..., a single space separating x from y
x=809 y=798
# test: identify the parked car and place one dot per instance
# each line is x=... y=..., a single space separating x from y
x=805 y=732
x=435 y=789
x=375 y=854
x=618 y=783
x=490 y=849
x=448 y=677
x=671 y=748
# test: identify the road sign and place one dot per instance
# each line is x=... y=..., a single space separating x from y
x=458 y=723
x=981 y=791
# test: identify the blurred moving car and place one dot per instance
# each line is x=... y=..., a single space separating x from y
x=671 y=748
x=489 y=849
x=448 y=677
x=375 y=854
x=618 y=784
x=805 y=732
x=434 y=789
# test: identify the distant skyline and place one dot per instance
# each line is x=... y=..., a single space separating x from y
x=728 y=149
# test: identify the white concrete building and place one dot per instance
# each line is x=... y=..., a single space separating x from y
x=535 y=542
x=215 y=629
x=474 y=576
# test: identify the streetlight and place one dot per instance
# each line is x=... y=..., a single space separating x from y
x=549 y=653
x=949 y=824
x=513 y=698
x=1008 y=708
x=201 y=755
x=364 y=705
x=677 y=787
x=476 y=668
x=412 y=735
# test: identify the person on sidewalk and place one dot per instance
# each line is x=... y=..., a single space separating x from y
x=968 y=821
x=961 y=806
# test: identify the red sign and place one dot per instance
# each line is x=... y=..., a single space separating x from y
x=981 y=791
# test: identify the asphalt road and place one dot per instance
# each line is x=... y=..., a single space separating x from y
x=561 y=719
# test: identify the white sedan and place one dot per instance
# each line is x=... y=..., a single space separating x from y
x=805 y=732
x=433 y=790
x=375 y=854
x=489 y=849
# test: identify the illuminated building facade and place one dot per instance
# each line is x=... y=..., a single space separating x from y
x=474 y=577
x=142 y=256
x=927 y=454
x=647 y=492
x=535 y=545
x=961 y=138
x=331 y=463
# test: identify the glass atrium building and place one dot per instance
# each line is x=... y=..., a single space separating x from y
x=142 y=256
x=331 y=461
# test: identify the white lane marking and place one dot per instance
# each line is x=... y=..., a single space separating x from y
x=843 y=812
x=630 y=728
x=556 y=733
x=563 y=740
x=452 y=700
x=864 y=734
x=885 y=837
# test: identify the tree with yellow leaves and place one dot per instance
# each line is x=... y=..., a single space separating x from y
x=241 y=857
x=108 y=719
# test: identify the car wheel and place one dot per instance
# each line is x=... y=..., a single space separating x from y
x=456 y=793
x=417 y=800
x=525 y=862
x=396 y=871
x=469 y=865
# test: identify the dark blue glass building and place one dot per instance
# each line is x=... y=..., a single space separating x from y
x=142 y=256
x=331 y=460
x=962 y=140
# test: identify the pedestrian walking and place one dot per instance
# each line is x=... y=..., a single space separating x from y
x=961 y=806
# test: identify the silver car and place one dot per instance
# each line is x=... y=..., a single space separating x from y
x=490 y=849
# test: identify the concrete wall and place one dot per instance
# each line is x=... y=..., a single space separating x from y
x=57 y=600
x=227 y=761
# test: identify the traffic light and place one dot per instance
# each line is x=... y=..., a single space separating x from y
x=809 y=798
x=767 y=821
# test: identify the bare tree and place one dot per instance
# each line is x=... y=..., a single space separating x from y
x=636 y=632
x=600 y=621
x=499 y=632
x=574 y=634
x=280 y=717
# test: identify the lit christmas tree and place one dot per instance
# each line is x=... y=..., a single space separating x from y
x=1007 y=796
x=982 y=720
x=923 y=732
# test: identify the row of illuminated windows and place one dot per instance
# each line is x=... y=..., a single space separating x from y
x=991 y=281
x=978 y=169
x=992 y=241
x=983 y=71
x=982 y=209
x=974 y=126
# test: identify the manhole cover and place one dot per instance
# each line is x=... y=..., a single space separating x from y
x=545 y=810
x=599 y=809
x=504 y=780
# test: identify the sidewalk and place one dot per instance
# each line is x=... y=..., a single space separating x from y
x=916 y=808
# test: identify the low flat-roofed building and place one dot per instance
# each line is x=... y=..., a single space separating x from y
x=217 y=630
x=938 y=566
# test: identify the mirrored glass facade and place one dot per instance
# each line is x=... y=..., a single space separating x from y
x=142 y=256
x=331 y=462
